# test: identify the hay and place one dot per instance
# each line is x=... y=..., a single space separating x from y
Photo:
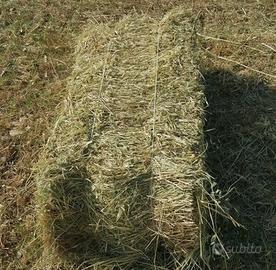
x=178 y=138
x=118 y=178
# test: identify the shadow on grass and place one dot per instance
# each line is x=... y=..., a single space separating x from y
x=240 y=131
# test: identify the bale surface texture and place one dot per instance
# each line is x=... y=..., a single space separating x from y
x=118 y=178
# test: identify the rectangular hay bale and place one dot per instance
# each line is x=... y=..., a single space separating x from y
x=132 y=131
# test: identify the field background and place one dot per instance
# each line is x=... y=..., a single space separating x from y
x=37 y=39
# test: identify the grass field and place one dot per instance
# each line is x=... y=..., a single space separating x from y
x=37 y=40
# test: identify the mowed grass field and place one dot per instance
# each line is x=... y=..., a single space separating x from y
x=37 y=41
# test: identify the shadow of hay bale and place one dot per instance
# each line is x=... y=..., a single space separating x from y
x=240 y=132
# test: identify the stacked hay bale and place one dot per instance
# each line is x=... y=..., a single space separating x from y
x=117 y=178
x=178 y=145
x=101 y=138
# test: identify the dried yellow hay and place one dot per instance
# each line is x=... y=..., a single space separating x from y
x=118 y=178
x=178 y=137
